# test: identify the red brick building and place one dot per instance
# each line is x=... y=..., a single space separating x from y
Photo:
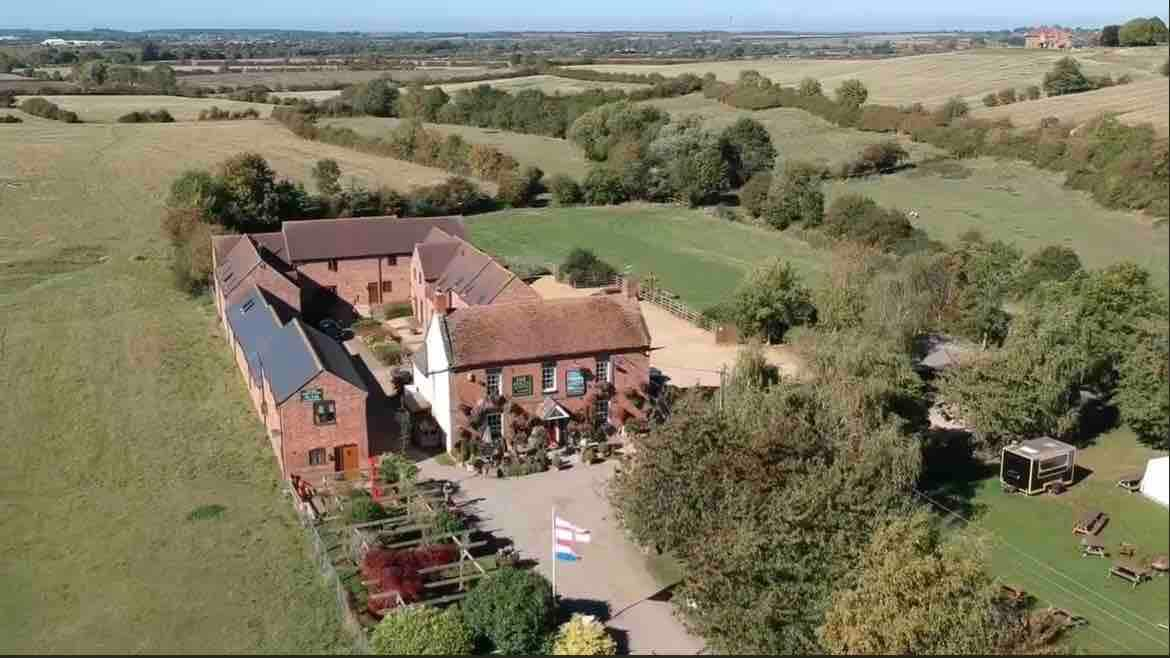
x=545 y=362
x=448 y=273
x=1048 y=37
x=303 y=385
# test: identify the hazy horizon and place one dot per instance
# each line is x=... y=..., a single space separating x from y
x=519 y=15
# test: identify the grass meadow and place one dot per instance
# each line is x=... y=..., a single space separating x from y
x=1032 y=547
x=928 y=79
x=124 y=413
x=1017 y=203
x=697 y=256
x=276 y=79
x=1147 y=101
x=107 y=109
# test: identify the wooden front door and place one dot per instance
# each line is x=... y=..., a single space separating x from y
x=347 y=458
x=375 y=293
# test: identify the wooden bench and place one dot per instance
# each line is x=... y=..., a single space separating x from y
x=1092 y=548
x=1091 y=523
x=1127 y=550
x=1131 y=482
x=1130 y=572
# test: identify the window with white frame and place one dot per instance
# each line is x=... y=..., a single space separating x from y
x=548 y=377
x=493 y=383
x=317 y=457
x=601 y=410
x=495 y=425
x=602 y=371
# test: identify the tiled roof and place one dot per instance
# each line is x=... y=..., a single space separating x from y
x=243 y=257
x=434 y=256
x=289 y=355
x=533 y=331
x=476 y=277
x=324 y=239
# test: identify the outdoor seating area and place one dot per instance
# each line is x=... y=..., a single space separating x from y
x=1091 y=523
x=1130 y=571
x=1131 y=482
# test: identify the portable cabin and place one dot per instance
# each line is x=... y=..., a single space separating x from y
x=1030 y=466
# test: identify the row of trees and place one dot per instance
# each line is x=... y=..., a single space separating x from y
x=39 y=107
x=1136 y=32
x=1066 y=77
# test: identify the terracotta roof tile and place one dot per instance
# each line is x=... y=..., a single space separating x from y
x=533 y=331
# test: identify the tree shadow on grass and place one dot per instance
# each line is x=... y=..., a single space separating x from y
x=1097 y=416
x=952 y=471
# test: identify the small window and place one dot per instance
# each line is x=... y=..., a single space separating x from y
x=387 y=286
x=601 y=410
x=493 y=383
x=333 y=265
x=548 y=377
x=495 y=426
x=324 y=412
x=1053 y=464
x=522 y=386
x=602 y=371
x=392 y=260
x=317 y=457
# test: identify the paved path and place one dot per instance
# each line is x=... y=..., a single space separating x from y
x=612 y=572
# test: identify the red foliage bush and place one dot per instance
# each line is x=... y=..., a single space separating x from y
x=397 y=571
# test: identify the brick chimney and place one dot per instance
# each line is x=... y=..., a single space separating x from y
x=630 y=286
x=439 y=302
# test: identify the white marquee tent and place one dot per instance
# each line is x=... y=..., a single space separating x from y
x=1155 y=484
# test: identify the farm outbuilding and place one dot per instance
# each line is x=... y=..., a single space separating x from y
x=1031 y=466
x=1155 y=484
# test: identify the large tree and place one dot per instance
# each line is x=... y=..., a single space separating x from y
x=1066 y=77
x=749 y=150
x=919 y=593
x=1143 y=32
x=1110 y=36
x=771 y=301
x=852 y=93
x=1143 y=394
x=796 y=196
x=693 y=160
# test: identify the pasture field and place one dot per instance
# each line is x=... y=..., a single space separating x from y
x=320 y=95
x=1031 y=546
x=549 y=84
x=1017 y=203
x=928 y=79
x=107 y=109
x=697 y=256
x=1147 y=101
x=552 y=155
x=124 y=413
x=275 y=79
x=797 y=134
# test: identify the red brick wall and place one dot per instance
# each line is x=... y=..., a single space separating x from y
x=354 y=275
x=628 y=369
x=299 y=434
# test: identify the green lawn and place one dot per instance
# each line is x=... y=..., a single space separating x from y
x=698 y=256
x=122 y=413
x=1032 y=547
x=1018 y=203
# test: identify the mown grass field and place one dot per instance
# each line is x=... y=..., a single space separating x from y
x=107 y=109
x=552 y=155
x=797 y=135
x=928 y=79
x=1147 y=101
x=1032 y=547
x=697 y=256
x=1018 y=203
x=124 y=412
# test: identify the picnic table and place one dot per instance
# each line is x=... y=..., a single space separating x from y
x=1092 y=547
x=1160 y=563
x=1130 y=571
x=1091 y=523
x=1131 y=482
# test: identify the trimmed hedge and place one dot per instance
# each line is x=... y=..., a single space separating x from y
x=147 y=116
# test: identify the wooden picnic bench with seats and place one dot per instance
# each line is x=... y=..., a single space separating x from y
x=1092 y=547
x=1126 y=549
x=1130 y=571
x=1091 y=523
x=1131 y=482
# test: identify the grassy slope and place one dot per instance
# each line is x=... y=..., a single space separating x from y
x=106 y=109
x=1018 y=203
x=1147 y=101
x=929 y=79
x=797 y=135
x=552 y=155
x=549 y=84
x=1033 y=548
x=123 y=412
x=695 y=255
x=278 y=79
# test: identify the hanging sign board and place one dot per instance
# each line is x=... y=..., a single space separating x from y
x=311 y=395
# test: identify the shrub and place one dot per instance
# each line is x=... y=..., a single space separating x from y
x=748 y=149
x=583 y=266
x=603 y=187
x=1033 y=92
x=446 y=522
x=397 y=310
x=389 y=352
x=583 y=635
x=565 y=191
x=954 y=108
x=519 y=189
x=160 y=115
x=810 y=87
x=852 y=93
x=10 y=118
x=772 y=300
x=990 y=100
x=512 y=610
x=206 y=512
x=395 y=468
x=1007 y=96
x=795 y=196
x=1066 y=78
x=753 y=196
x=422 y=630
x=455 y=196
x=40 y=107
x=860 y=219
x=363 y=509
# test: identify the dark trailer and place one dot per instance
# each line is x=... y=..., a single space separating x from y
x=1031 y=466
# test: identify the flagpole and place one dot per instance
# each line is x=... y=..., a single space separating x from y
x=554 y=553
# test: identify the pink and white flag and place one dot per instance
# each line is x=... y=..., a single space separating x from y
x=565 y=531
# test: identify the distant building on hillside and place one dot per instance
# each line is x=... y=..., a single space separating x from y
x=1048 y=37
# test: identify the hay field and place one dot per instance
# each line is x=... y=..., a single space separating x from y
x=322 y=95
x=549 y=84
x=1147 y=101
x=929 y=79
x=123 y=412
x=280 y=79
x=552 y=155
x=797 y=134
x=1018 y=203
x=107 y=109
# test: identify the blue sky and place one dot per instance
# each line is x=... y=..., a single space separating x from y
x=478 y=15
